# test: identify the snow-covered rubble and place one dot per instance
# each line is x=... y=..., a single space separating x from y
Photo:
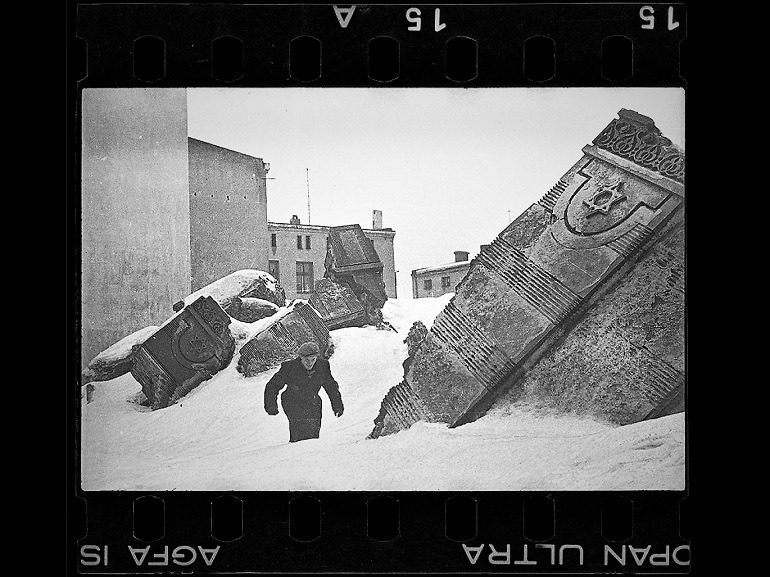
x=115 y=360
x=224 y=289
x=219 y=438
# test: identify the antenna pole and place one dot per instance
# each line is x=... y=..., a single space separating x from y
x=307 y=179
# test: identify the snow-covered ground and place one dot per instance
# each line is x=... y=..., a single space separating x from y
x=219 y=437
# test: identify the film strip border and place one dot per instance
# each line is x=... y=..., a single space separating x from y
x=114 y=57
x=402 y=45
x=243 y=531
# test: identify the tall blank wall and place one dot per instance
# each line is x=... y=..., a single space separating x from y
x=135 y=211
x=228 y=212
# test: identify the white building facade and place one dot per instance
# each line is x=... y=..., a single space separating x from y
x=434 y=281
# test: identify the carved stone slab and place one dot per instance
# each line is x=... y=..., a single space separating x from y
x=351 y=249
x=528 y=288
x=624 y=361
x=280 y=341
x=187 y=350
x=352 y=261
x=337 y=305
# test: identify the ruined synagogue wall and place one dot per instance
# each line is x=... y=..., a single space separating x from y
x=566 y=305
x=632 y=338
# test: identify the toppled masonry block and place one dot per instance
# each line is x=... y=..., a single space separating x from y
x=577 y=304
x=624 y=360
x=413 y=341
x=117 y=359
x=265 y=290
x=249 y=310
x=337 y=306
x=280 y=341
x=187 y=350
x=352 y=261
x=247 y=283
x=403 y=408
x=415 y=337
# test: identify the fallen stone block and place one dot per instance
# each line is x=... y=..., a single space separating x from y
x=337 y=306
x=525 y=321
x=415 y=337
x=117 y=359
x=352 y=261
x=414 y=341
x=247 y=283
x=249 y=310
x=624 y=360
x=399 y=410
x=280 y=341
x=187 y=350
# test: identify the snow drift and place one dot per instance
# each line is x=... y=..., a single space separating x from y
x=219 y=438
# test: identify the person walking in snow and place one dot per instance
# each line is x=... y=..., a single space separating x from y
x=303 y=377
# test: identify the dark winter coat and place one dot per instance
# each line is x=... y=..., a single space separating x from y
x=300 y=400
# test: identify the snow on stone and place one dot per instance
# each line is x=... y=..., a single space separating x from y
x=218 y=438
x=122 y=349
x=401 y=314
x=229 y=286
x=442 y=267
x=264 y=303
x=243 y=332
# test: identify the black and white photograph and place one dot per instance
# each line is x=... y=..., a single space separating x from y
x=382 y=289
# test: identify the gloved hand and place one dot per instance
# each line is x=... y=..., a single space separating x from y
x=339 y=413
x=271 y=411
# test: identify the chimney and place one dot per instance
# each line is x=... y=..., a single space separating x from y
x=461 y=256
x=294 y=219
x=376 y=219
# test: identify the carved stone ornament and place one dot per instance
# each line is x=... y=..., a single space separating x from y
x=636 y=138
x=184 y=352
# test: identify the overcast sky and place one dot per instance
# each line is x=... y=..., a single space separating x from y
x=447 y=167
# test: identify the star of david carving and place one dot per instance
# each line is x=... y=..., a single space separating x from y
x=197 y=346
x=603 y=199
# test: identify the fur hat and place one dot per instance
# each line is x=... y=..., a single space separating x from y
x=309 y=348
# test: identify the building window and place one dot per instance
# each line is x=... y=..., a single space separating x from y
x=299 y=241
x=427 y=284
x=274 y=269
x=307 y=242
x=273 y=240
x=304 y=277
x=444 y=282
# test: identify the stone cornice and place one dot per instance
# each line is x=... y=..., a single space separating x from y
x=635 y=137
